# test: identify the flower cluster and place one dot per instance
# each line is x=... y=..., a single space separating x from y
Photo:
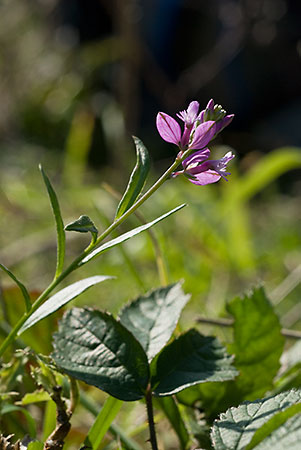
x=199 y=130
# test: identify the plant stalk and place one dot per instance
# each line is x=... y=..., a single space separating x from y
x=150 y=416
x=76 y=263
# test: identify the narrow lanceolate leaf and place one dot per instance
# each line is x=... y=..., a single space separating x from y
x=59 y=224
x=124 y=237
x=94 y=347
x=170 y=408
x=153 y=317
x=137 y=178
x=237 y=427
x=20 y=285
x=102 y=423
x=189 y=360
x=61 y=298
x=82 y=225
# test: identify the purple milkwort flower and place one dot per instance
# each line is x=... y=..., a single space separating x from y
x=199 y=130
x=202 y=171
x=195 y=135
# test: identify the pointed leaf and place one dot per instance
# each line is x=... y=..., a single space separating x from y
x=170 y=408
x=153 y=317
x=124 y=237
x=137 y=178
x=102 y=423
x=20 y=285
x=189 y=360
x=59 y=224
x=237 y=426
x=94 y=347
x=258 y=343
x=82 y=225
x=287 y=435
x=61 y=298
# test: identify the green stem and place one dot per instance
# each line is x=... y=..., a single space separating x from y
x=75 y=264
x=150 y=415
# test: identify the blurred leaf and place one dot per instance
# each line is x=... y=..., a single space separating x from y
x=153 y=317
x=188 y=360
x=83 y=225
x=59 y=224
x=94 y=347
x=267 y=169
x=170 y=408
x=61 y=298
x=34 y=397
x=35 y=445
x=258 y=343
x=238 y=426
x=137 y=179
x=103 y=421
x=20 y=285
x=31 y=423
x=257 y=347
x=124 y=237
x=49 y=419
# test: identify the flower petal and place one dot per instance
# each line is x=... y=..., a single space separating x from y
x=223 y=123
x=203 y=135
x=203 y=178
x=196 y=157
x=168 y=128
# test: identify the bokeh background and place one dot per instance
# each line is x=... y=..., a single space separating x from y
x=77 y=79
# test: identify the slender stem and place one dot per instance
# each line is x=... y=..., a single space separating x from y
x=75 y=264
x=150 y=416
x=293 y=334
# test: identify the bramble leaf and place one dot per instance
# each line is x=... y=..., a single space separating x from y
x=137 y=178
x=94 y=347
x=237 y=427
x=188 y=360
x=153 y=317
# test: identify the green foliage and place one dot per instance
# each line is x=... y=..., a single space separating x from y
x=153 y=317
x=61 y=298
x=93 y=347
x=124 y=237
x=83 y=225
x=61 y=238
x=137 y=178
x=20 y=285
x=241 y=428
x=191 y=359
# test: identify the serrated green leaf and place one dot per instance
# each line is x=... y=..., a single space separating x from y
x=137 y=178
x=102 y=423
x=82 y=225
x=61 y=298
x=94 y=347
x=188 y=360
x=286 y=436
x=237 y=426
x=20 y=285
x=124 y=237
x=170 y=408
x=61 y=238
x=258 y=343
x=153 y=317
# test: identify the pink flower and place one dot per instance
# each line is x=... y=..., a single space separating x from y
x=195 y=136
x=202 y=171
